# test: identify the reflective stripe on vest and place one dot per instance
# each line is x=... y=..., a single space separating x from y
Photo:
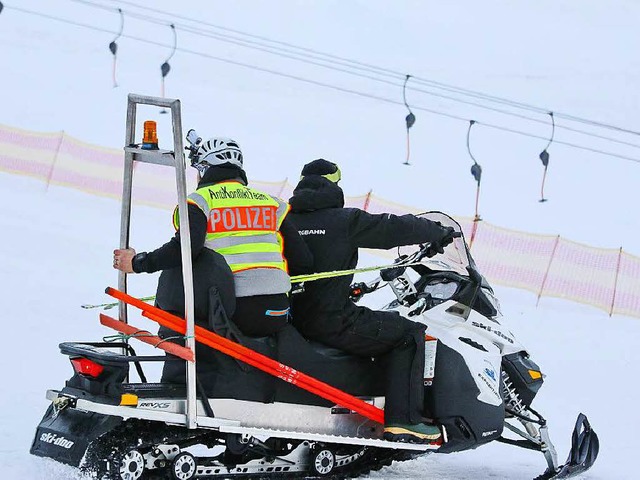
x=223 y=242
x=242 y=225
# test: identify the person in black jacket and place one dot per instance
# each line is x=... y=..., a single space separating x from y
x=324 y=312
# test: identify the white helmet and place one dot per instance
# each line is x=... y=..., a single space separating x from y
x=217 y=151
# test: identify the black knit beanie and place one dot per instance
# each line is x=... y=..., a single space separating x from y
x=322 y=167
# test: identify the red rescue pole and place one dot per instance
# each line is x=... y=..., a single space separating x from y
x=147 y=337
x=280 y=371
x=255 y=359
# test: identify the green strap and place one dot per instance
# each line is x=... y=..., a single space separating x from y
x=295 y=279
x=339 y=273
x=109 y=305
x=124 y=337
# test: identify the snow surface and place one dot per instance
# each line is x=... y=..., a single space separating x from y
x=574 y=57
x=58 y=257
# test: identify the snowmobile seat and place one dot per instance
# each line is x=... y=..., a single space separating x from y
x=331 y=353
x=360 y=376
x=224 y=377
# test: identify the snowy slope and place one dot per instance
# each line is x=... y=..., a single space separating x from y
x=60 y=258
x=566 y=56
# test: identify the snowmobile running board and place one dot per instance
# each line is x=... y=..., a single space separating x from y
x=228 y=426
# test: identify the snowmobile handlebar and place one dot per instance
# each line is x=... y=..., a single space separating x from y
x=360 y=289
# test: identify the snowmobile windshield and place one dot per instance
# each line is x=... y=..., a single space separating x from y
x=456 y=257
x=436 y=271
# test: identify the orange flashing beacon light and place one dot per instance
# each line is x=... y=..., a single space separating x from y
x=150 y=138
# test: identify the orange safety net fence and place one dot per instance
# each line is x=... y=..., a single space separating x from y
x=547 y=265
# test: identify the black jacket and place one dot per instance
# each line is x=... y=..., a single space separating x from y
x=169 y=255
x=212 y=288
x=334 y=234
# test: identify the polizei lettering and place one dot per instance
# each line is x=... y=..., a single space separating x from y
x=54 y=439
x=235 y=219
x=312 y=232
x=236 y=192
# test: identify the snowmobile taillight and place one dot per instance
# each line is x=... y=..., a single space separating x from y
x=87 y=367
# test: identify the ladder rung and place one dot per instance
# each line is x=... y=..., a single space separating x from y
x=158 y=157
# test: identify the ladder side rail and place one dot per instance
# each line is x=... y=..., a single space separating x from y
x=127 y=188
x=187 y=267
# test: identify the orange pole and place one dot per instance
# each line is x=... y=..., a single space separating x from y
x=148 y=337
x=283 y=372
x=255 y=359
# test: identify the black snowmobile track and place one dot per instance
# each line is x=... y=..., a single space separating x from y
x=102 y=458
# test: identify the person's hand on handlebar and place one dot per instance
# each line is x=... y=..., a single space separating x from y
x=437 y=245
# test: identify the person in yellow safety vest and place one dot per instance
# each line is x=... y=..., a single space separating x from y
x=249 y=228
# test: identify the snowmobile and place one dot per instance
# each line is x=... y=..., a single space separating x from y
x=283 y=406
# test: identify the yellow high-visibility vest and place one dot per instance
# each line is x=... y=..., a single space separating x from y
x=243 y=226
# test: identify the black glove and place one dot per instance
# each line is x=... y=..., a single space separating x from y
x=445 y=237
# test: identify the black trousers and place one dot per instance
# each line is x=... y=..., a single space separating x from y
x=261 y=315
x=393 y=339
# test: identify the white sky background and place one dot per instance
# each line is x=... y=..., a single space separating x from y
x=575 y=57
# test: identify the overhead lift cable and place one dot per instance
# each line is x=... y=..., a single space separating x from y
x=317 y=58
x=320 y=59
x=371 y=68
x=321 y=84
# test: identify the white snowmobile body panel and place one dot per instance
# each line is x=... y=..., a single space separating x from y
x=483 y=360
x=450 y=316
